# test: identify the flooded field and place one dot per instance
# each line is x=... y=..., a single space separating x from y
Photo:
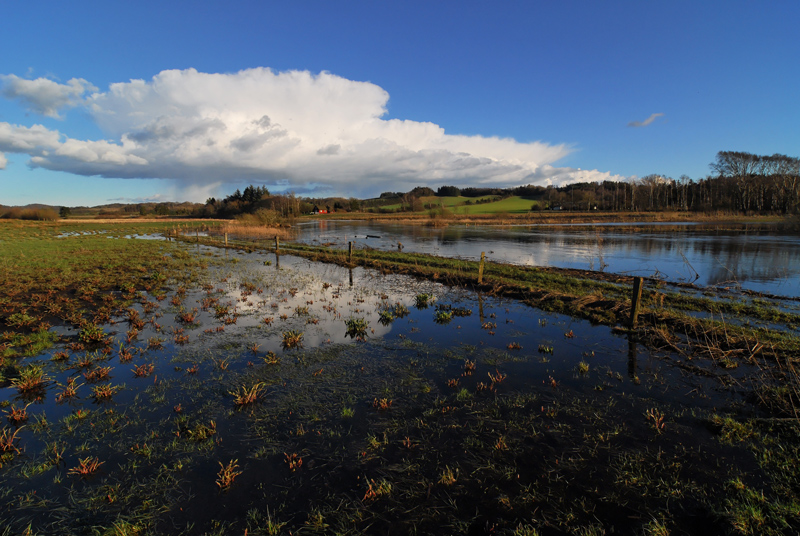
x=758 y=257
x=276 y=395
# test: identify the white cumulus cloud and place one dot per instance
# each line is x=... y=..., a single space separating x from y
x=295 y=129
x=31 y=140
x=44 y=96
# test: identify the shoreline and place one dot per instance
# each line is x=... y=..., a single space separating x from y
x=551 y=218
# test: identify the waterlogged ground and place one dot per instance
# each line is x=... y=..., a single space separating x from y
x=281 y=396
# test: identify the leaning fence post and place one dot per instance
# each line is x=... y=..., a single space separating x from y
x=480 y=268
x=636 y=299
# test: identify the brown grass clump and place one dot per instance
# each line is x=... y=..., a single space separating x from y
x=376 y=490
x=227 y=474
x=292 y=339
x=294 y=461
x=17 y=416
x=187 y=317
x=469 y=367
x=38 y=214
x=86 y=467
x=60 y=356
x=7 y=442
x=70 y=391
x=104 y=392
x=252 y=229
x=32 y=379
x=382 y=404
x=98 y=374
x=244 y=397
x=656 y=418
x=143 y=370
x=271 y=359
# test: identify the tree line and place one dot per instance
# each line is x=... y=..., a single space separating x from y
x=739 y=182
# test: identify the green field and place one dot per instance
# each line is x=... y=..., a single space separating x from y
x=458 y=205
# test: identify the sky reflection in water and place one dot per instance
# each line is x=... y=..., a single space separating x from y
x=759 y=257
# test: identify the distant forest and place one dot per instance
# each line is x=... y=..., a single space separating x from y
x=739 y=182
x=257 y=199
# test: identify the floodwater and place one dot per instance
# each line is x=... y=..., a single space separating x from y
x=164 y=434
x=758 y=257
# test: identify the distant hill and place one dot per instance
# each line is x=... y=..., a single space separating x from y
x=32 y=206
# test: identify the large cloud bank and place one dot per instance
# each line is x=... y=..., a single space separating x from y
x=293 y=128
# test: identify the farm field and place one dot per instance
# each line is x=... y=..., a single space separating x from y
x=181 y=387
x=481 y=205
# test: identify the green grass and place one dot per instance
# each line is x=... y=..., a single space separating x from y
x=510 y=205
x=459 y=205
x=69 y=270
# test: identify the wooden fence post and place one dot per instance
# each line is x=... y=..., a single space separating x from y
x=277 y=244
x=636 y=299
x=350 y=252
x=480 y=268
x=226 y=239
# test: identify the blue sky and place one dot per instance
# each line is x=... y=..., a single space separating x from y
x=357 y=98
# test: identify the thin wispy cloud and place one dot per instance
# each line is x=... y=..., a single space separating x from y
x=646 y=122
x=292 y=129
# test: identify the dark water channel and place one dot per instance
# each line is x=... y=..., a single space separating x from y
x=758 y=257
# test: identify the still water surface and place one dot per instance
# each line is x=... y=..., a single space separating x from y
x=759 y=257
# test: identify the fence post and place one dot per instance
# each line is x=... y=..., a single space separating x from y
x=277 y=244
x=636 y=299
x=480 y=268
x=226 y=239
x=196 y=234
x=350 y=252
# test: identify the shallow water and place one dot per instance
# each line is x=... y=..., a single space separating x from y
x=146 y=434
x=758 y=257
